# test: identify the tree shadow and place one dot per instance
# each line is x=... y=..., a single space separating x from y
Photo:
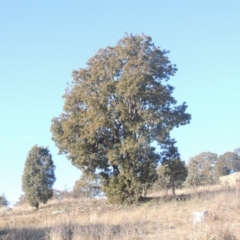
x=68 y=231
x=203 y=194
x=23 y=233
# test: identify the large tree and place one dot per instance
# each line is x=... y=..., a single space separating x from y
x=114 y=110
x=38 y=176
x=201 y=170
x=227 y=163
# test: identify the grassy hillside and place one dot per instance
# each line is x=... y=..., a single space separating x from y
x=231 y=179
x=161 y=217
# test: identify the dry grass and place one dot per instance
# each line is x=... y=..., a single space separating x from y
x=231 y=179
x=162 y=217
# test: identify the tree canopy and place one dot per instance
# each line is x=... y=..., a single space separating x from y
x=38 y=176
x=227 y=163
x=201 y=169
x=172 y=172
x=86 y=187
x=115 y=109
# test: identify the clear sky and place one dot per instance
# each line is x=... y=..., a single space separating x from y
x=41 y=42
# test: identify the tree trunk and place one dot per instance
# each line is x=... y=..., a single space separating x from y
x=144 y=192
x=173 y=190
x=37 y=206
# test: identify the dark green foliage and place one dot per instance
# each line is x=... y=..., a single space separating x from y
x=114 y=110
x=38 y=176
x=123 y=189
x=3 y=200
x=227 y=163
x=201 y=170
x=173 y=172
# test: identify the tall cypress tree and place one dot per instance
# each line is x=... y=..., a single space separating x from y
x=115 y=109
x=38 y=176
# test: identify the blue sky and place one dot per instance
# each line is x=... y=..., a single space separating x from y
x=43 y=41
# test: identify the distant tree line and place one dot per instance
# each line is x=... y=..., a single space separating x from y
x=207 y=167
x=202 y=169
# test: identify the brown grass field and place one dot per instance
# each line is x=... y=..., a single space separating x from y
x=161 y=217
